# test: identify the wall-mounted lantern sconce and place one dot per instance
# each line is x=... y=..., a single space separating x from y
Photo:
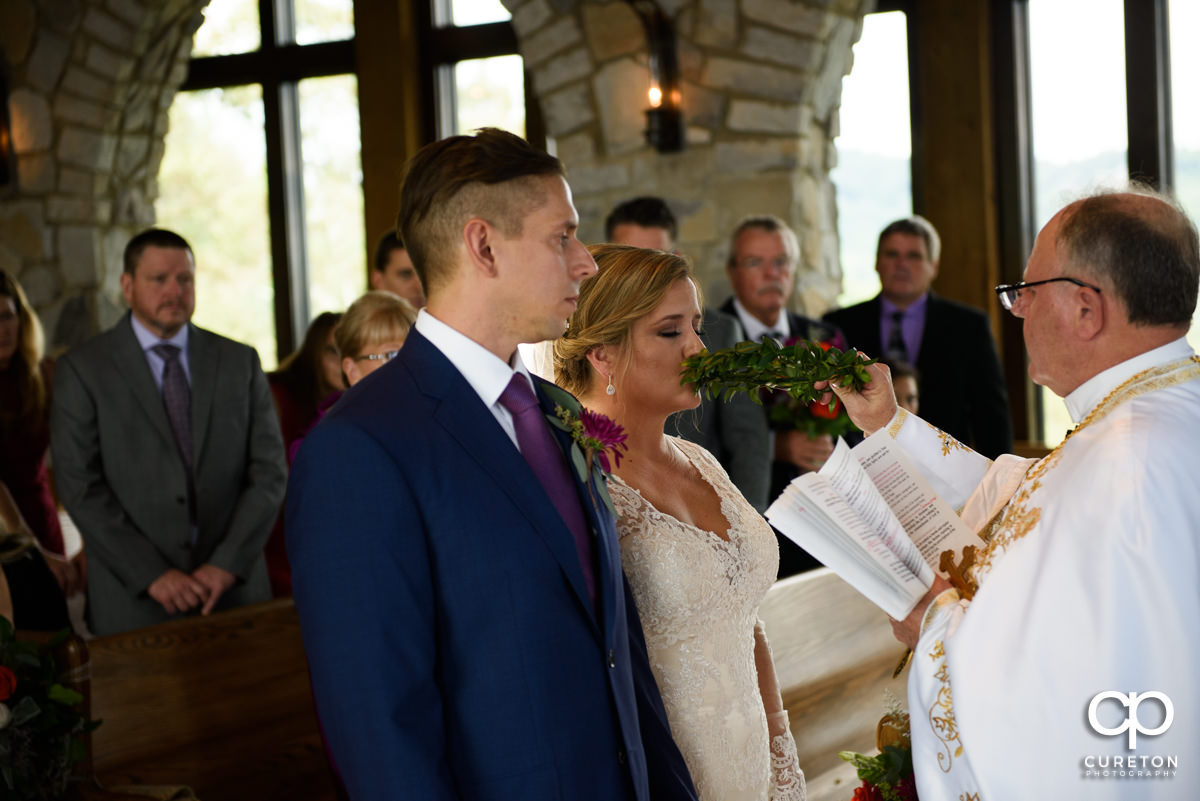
x=664 y=117
x=8 y=172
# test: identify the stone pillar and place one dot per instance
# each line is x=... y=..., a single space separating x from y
x=90 y=83
x=761 y=84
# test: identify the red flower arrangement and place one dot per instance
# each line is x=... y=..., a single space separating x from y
x=8 y=683
x=888 y=775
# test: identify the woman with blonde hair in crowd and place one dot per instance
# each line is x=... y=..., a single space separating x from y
x=372 y=333
x=698 y=557
x=369 y=335
x=25 y=383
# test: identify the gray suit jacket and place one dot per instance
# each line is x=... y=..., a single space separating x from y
x=734 y=431
x=120 y=476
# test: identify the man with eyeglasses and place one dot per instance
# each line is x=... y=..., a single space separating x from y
x=763 y=252
x=962 y=384
x=1073 y=671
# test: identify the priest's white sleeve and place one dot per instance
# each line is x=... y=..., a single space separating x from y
x=953 y=469
x=941 y=764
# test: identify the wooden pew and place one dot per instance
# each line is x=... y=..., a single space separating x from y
x=834 y=654
x=221 y=704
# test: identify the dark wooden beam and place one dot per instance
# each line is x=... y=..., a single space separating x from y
x=1014 y=195
x=281 y=63
x=1148 y=92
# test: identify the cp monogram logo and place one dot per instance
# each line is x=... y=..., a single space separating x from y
x=1131 y=723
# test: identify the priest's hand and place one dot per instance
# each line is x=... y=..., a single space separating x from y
x=872 y=407
x=908 y=631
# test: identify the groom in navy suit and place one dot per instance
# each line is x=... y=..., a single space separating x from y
x=469 y=631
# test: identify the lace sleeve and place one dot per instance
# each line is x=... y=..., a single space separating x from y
x=787 y=780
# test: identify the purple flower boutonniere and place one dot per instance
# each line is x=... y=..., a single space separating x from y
x=596 y=434
x=597 y=442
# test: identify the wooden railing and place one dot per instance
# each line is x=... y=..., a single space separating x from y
x=220 y=704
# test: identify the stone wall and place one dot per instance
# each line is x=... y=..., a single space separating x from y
x=761 y=85
x=91 y=81
x=90 y=84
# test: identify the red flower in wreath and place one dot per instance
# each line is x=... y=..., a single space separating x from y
x=8 y=683
x=814 y=419
x=867 y=792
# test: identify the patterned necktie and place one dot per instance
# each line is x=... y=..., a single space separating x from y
x=897 y=351
x=177 y=398
x=550 y=466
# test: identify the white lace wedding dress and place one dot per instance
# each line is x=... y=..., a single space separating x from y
x=698 y=596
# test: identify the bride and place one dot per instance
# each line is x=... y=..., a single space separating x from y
x=698 y=557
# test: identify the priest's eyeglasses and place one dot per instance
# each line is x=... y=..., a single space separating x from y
x=386 y=356
x=1008 y=293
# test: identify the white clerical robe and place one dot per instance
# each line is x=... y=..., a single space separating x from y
x=1089 y=582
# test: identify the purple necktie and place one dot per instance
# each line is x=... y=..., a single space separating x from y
x=896 y=349
x=550 y=466
x=177 y=398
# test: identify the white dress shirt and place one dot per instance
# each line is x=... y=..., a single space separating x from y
x=147 y=339
x=755 y=329
x=487 y=374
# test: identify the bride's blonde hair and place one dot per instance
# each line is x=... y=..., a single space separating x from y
x=628 y=285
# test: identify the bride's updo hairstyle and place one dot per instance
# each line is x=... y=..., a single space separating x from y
x=628 y=285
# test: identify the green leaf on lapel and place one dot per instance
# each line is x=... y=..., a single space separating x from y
x=562 y=398
x=579 y=463
x=602 y=488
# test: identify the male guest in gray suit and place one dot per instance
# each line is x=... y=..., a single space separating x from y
x=167 y=452
x=734 y=431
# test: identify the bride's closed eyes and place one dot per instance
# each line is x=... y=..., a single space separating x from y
x=676 y=332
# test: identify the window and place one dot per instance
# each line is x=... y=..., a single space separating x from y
x=472 y=12
x=274 y=209
x=874 y=150
x=1078 y=88
x=1184 y=18
x=333 y=198
x=489 y=92
x=213 y=183
x=1078 y=122
x=480 y=77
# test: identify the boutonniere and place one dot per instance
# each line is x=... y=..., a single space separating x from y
x=597 y=442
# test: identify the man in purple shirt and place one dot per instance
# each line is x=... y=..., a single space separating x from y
x=961 y=383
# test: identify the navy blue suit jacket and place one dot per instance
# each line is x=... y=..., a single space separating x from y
x=453 y=649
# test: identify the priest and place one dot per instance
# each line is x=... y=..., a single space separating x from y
x=1074 y=671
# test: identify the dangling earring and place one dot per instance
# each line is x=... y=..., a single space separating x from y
x=611 y=390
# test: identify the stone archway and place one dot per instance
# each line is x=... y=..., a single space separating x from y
x=761 y=84
x=91 y=82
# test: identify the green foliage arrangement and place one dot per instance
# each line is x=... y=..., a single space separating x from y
x=792 y=369
x=41 y=731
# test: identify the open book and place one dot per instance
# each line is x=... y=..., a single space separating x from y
x=871 y=517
